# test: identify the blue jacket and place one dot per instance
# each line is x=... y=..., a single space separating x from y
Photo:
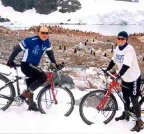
x=34 y=48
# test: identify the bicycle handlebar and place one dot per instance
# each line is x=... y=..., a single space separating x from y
x=113 y=77
x=53 y=67
x=110 y=74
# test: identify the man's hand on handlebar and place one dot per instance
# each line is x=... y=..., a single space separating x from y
x=56 y=66
x=60 y=66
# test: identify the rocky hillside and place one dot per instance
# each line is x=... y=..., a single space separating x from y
x=76 y=48
x=43 y=6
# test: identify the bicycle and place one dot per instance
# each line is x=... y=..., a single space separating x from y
x=55 y=93
x=101 y=105
x=48 y=94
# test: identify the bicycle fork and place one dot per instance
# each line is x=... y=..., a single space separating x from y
x=53 y=93
x=107 y=95
x=52 y=88
x=104 y=99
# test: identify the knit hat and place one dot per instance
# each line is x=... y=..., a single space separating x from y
x=123 y=34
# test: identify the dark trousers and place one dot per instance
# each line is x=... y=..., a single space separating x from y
x=131 y=94
x=36 y=76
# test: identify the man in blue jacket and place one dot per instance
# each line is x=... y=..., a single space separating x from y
x=33 y=49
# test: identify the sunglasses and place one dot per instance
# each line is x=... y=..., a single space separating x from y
x=44 y=33
x=121 y=39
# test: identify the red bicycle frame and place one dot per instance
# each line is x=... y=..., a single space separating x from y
x=113 y=85
x=49 y=77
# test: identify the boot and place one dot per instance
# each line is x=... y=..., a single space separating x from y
x=27 y=95
x=139 y=125
x=124 y=116
x=33 y=106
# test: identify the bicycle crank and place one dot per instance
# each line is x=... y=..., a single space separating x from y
x=18 y=101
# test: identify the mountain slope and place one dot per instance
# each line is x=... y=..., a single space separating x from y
x=91 y=12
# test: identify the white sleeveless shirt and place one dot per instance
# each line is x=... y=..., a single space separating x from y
x=128 y=57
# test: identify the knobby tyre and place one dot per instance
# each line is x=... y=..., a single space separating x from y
x=88 y=108
x=65 y=101
x=7 y=93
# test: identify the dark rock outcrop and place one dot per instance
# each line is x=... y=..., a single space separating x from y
x=43 y=6
x=69 y=6
x=4 y=19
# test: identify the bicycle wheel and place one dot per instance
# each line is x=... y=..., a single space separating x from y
x=7 y=93
x=64 y=97
x=88 y=108
x=141 y=102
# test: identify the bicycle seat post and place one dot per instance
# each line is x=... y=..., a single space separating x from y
x=17 y=80
x=16 y=71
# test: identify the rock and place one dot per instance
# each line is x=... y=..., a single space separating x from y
x=62 y=79
x=69 y=6
x=4 y=19
x=43 y=6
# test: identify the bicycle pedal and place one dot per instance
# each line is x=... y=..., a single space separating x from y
x=18 y=101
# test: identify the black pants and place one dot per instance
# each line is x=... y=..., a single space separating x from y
x=131 y=94
x=36 y=76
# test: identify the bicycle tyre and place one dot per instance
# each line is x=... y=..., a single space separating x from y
x=89 y=103
x=45 y=96
x=6 y=94
x=141 y=102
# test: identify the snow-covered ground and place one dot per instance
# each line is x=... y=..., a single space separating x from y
x=19 y=120
x=93 y=12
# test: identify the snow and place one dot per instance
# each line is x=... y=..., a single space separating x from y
x=91 y=13
x=18 y=120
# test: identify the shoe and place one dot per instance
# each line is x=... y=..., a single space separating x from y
x=124 y=116
x=139 y=125
x=27 y=95
x=33 y=106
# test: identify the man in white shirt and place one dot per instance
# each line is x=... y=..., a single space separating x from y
x=128 y=70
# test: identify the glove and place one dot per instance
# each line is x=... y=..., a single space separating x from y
x=10 y=63
x=60 y=66
x=105 y=71
x=53 y=66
